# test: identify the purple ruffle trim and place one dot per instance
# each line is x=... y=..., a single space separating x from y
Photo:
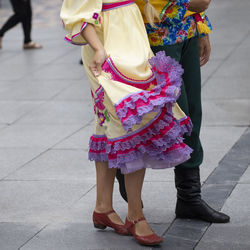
x=157 y=139
x=163 y=67
x=168 y=160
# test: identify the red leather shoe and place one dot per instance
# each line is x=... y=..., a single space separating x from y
x=149 y=240
x=101 y=221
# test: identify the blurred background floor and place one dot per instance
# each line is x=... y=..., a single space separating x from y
x=47 y=185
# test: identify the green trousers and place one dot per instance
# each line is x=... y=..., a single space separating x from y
x=187 y=54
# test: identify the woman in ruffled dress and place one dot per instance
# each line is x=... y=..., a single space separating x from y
x=138 y=124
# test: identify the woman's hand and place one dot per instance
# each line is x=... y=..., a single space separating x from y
x=97 y=62
x=89 y=34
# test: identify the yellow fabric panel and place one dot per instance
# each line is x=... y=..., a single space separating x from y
x=126 y=43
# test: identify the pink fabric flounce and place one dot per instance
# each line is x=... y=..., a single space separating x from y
x=131 y=109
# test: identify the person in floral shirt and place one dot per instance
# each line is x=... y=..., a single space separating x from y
x=182 y=31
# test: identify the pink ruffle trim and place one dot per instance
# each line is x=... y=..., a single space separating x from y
x=159 y=140
x=131 y=109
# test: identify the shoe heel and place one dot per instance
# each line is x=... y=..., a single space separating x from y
x=99 y=226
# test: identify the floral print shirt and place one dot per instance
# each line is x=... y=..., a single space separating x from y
x=175 y=26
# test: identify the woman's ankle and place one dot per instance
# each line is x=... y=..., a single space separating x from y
x=103 y=208
x=133 y=216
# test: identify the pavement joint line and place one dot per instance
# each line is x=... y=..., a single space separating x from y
x=42 y=66
x=46 y=180
x=227 y=99
x=23 y=165
x=78 y=130
x=25 y=243
x=226 y=125
x=67 y=149
x=236 y=148
x=226 y=58
x=40 y=105
x=27 y=113
x=75 y=202
x=40 y=154
x=167 y=229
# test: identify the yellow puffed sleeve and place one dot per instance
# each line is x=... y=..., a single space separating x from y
x=76 y=14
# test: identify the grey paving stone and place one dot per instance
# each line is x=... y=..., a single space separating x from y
x=39 y=201
x=222 y=36
x=176 y=243
x=50 y=53
x=237 y=157
x=73 y=57
x=79 y=140
x=158 y=198
x=236 y=88
x=190 y=223
x=214 y=150
x=61 y=113
x=18 y=71
x=165 y=175
x=14 y=235
x=13 y=158
x=186 y=232
x=35 y=136
x=226 y=174
x=243 y=144
x=235 y=162
x=159 y=192
x=216 y=194
x=82 y=209
x=58 y=165
x=160 y=228
x=208 y=70
x=237 y=205
x=219 y=112
x=12 y=110
x=7 y=55
x=27 y=90
x=58 y=72
x=212 y=245
x=245 y=43
x=5 y=85
x=52 y=33
x=234 y=67
x=235 y=234
x=76 y=92
x=82 y=237
x=220 y=51
x=2 y=126
x=245 y=179
x=226 y=237
x=242 y=51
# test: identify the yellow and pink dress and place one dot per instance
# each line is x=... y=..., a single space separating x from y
x=137 y=121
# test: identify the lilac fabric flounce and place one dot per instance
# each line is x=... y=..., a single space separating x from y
x=135 y=148
x=165 y=97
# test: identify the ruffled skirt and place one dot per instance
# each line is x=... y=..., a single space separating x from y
x=137 y=121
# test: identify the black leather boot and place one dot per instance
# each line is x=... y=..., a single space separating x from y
x=122 y=189
x=189 y=203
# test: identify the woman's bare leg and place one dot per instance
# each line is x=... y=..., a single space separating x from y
x=133 y=183
x=105 y=183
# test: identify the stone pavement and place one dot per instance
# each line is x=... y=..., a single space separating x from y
x=47 y=185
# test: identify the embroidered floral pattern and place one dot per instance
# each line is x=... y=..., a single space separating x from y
x=174 y=28
x=97 y=18
x=95 y=15
x=99 y=107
